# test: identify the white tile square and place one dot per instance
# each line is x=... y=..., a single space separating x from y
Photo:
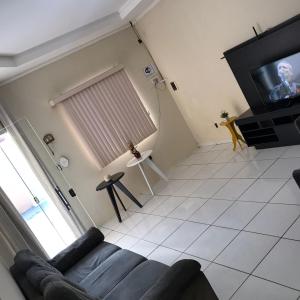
x=230 y=169
x=143 y=248
x=172 y=187
x=210 y=211
x=141 y=229
x=262 y=190
x=246 y=251
x=289 y=194
x=224 y=281
x=164 y=255
x=153 y=203
x=211 y=242
x=225 y=156
x=283 y=168
x=159 y=186
x=239 y=215
x=247 y=154
x=233 y=189
x=294 y=231
x=274 y=219
x=190 y=172
x=254 y=169
x=162 y=230
x=207 y=171
x=206 y=158
x=129 y=223
x=183 y=237
x=176 y=172
x=256 y=288
x=270 y=153
x=168 y=206
x=113 y=237
x=127 y=242
x=188 y=188
x=209 y=188
x=291 y=152
x=187 y=208
x=282 y=265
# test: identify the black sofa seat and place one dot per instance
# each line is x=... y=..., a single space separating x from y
x=113 y=270
x=91 y=269
x=90 y=262
x=135 y=285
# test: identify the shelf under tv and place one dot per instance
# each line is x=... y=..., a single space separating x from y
x=270 y=128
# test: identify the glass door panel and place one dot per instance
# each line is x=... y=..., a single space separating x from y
x=31 y=199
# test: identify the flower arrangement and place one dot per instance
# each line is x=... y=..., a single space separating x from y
x=224 y=114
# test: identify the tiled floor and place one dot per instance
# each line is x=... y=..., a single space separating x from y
x=237 y=213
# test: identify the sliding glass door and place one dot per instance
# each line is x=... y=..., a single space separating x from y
x=35 y=202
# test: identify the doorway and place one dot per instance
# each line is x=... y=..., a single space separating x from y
x=32 y=200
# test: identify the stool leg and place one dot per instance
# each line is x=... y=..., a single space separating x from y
x=122 y=187
x=114 y=203
x=119 y=198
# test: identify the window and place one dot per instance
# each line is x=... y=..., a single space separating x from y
x=108 y=114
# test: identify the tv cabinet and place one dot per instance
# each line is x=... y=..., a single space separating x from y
x=267 y=129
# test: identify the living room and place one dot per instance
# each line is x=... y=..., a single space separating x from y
x=234 y=212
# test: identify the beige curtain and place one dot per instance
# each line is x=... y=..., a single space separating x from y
x=108 y=115
x=14 y=232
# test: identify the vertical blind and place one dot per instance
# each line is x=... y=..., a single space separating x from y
x=109 y=114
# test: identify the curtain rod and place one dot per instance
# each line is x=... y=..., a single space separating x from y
x=71 y=92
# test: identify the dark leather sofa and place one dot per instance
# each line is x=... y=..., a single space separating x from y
x=91 y=268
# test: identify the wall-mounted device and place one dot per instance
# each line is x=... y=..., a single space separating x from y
x=48 y=139
x=150 y=70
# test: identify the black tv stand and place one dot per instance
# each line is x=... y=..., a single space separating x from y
x=267 y=129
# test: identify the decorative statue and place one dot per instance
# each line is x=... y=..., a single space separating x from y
x=133 y=150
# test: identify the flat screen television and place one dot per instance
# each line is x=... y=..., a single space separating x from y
x=279 y=82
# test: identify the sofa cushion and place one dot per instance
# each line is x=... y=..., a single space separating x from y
x=113 y=270
x=90 y=262
x=77 y=250
x=138 y=281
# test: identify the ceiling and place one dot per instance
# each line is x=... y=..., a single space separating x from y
x=36 y=32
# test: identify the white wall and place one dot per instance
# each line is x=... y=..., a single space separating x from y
x=8 y=287
x=28 y=97
x=187 y=39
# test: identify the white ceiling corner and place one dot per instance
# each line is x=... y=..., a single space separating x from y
x=38 y=32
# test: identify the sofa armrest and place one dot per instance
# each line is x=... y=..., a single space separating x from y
x=77 y=250
x=60 y=290
x=174 y=282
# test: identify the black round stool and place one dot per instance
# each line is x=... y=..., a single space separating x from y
x=109 y=186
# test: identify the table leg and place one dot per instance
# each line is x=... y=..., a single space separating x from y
x=122 y=187
x=155 y=168
x=145 y=177
x=119 y=198
x=114 y=203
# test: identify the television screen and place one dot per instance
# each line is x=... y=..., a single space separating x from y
x=280 y=80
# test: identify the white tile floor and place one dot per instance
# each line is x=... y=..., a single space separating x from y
x=237 y=213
